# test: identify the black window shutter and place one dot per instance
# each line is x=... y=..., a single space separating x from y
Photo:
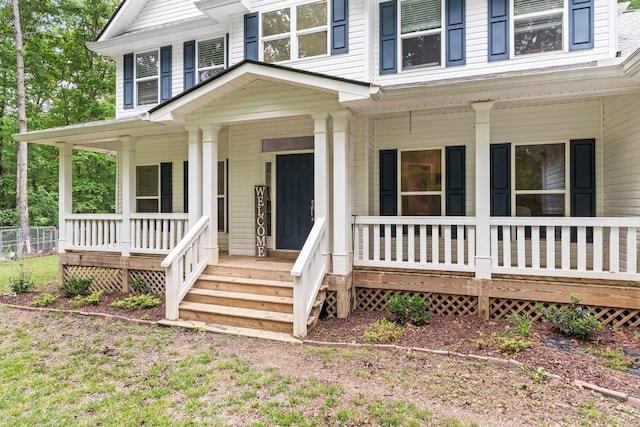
x=339 y=26
x=165 y=73
x=456 y=37
x=166 y=187
x=583 y=177
x=388 y=182
x=388 y=37
x=189 y=64
x=500 y=173
x=498 y=29
x=185 y=185
x=251 y=36
x=128 y=81
x=580 y=24
x=455 y=192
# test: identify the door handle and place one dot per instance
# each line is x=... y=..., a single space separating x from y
x=312 y=210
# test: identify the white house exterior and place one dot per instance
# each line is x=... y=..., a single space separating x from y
x=478 y=141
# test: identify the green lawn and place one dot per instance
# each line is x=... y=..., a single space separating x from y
x=42 y=269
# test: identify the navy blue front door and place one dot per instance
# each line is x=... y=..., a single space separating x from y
x=294 y=195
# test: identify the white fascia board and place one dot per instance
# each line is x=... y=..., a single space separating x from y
x=124 y=17
x=221 y=10
x=157 y=36
x=631 y=65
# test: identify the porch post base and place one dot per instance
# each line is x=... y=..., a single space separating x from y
x=342 y=285
x=483 y=267
x=341 y=264
x=213 y=254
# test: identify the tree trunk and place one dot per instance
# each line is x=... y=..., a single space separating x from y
x=23 y=207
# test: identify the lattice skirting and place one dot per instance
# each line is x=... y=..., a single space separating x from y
x=500 y=308
x=108 y=279
x=154 y=278
x=330 y=308
x=444 y=304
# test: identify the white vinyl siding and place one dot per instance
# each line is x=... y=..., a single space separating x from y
x=245 y=167
x=159 y=12
x=420 y=131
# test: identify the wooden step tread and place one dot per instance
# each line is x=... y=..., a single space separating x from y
x=232 y=330
x=237 y=312
x=245 y=281
x=240 y=296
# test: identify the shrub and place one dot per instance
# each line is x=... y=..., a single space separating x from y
x=573 y=320
x=92 y=299
x=22 y=283
x=383 y=331
x=139 y=285
x=73 y=286
x=44 y=300
x=512 y=345
x=137 y=302
x=522 y=324
x=409 y=309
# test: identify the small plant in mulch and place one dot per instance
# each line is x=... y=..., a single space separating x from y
x=614 y=359
x=409 y=309
x=74 y=286
x=137 y=302
x=572 y=320
x=44 y=300
x=91 y=299
x=522 y=324
x=382 y=331
x=139 y=285
x=511 y=345
x=22 y=283
x=540 y=375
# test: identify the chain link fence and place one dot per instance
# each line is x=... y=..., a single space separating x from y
x=16 y=243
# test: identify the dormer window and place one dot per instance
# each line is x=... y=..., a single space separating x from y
x=537 y=26
x=421 y=33
x=295 y=32
x=211 y=58
x=147 y=65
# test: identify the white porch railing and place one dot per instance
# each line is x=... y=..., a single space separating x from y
x=96 y=232
x=184 y=264
x=149 y=233
x=308 y=273
x=601 y=248
x=430 y=243
x=157 y=233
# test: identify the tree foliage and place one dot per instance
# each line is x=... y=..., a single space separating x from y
x=65 y=84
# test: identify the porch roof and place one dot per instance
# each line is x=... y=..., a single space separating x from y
x=350 y=93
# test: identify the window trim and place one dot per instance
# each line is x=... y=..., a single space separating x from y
x=137 y=80
x=567 y=175
x=441 y=31
x=441 y=192
x=550 y=12
x=293 y=34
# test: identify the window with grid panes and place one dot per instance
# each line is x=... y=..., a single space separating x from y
x=421 y=182
x=222 y=196
x=295 y=32
x=148 y=188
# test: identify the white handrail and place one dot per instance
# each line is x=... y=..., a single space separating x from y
x=183 y=265
x=308 y=273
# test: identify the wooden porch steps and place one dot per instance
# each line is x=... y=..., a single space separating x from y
x=253 y=300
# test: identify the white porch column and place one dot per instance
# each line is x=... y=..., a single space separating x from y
x=342 y=198
x=195 y=176
x=128 y=153
x=210 y=188
x=65 y=182
x=483 y=182
x=321 y=172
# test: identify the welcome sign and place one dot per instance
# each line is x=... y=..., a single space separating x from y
x=262 y=201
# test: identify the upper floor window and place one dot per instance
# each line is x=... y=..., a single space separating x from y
x=537 y=26
x=147 y=65
x=295 y=32
x=421 y=32
x=211 y=57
